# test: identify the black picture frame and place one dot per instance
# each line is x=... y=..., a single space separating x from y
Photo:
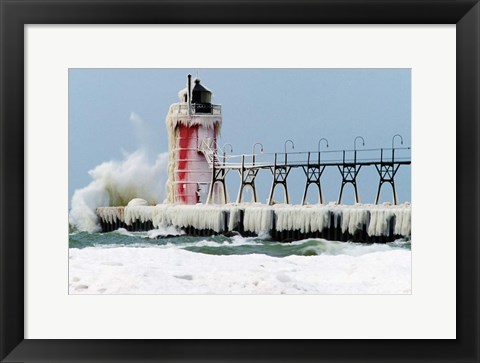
x=15 y=14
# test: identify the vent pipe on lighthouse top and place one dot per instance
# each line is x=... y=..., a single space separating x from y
x=189 y=92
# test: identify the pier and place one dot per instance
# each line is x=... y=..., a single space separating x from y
x=368 y=223
x=357 y=223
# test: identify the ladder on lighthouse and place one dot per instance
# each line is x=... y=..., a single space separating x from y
x=218 y=172
x=210 y=154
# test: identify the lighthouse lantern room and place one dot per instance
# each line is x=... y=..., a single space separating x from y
x=193 y=126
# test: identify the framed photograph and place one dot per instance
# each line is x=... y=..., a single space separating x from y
x=147 y=125
x=219 y=188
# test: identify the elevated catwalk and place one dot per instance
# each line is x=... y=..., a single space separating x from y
x=359 y=223
x=348 y=162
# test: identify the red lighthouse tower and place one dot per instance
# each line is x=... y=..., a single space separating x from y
x=193 y=125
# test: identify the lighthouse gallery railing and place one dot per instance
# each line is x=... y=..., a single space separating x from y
x=196 y=109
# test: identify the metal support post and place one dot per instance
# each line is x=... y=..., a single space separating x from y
x=313 y=172
x=349 y=173
x=387 y=172
x=280 y=173
x=247 y=176
x=218 y=176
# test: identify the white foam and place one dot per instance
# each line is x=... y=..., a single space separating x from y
x=164 y=231
x=129 y=270
x=124 y=232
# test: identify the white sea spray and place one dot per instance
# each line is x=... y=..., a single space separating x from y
x=115 y=183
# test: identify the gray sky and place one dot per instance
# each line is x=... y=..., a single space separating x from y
x=259 y=105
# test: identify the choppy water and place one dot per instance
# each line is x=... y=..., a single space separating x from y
x=237 y=245
x=124 y=262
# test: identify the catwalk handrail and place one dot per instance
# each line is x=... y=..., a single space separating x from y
x=348 y=156
x=313 y=158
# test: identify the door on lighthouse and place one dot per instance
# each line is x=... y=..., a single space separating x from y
x=203 y=189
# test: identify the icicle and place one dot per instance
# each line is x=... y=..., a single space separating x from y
x=259 y=218
x=174 y=118
x=111 y=214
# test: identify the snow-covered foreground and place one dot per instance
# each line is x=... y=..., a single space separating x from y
x=151 y=270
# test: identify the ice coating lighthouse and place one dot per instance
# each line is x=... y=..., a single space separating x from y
x=193 y=125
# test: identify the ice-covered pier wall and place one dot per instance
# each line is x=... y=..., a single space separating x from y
x=360 y=222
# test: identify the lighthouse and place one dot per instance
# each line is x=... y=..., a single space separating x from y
x=193 y=125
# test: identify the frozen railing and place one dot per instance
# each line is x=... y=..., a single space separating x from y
x=196 y=109
x=298 y=158
x=380 y=155
x=208 y=147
